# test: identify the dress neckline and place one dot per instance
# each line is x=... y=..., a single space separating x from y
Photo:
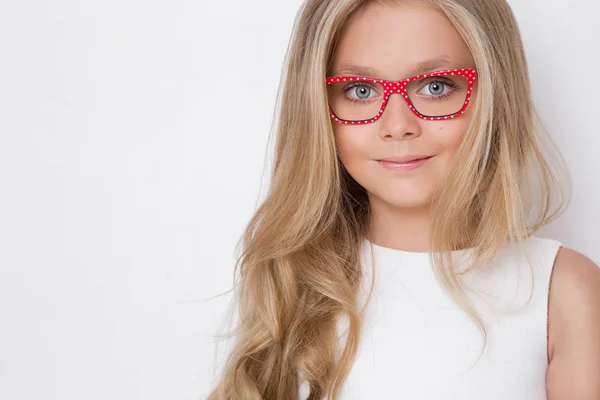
x=423 y=256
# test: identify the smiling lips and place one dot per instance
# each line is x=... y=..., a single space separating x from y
x=406 y=163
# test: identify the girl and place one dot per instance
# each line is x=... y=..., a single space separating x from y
x=395 y=255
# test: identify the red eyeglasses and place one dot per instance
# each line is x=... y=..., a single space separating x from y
x=361 y=100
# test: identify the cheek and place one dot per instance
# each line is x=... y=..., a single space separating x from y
x=450 y=135
x=352 y=144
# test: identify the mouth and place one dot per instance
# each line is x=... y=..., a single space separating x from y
x=405 y=165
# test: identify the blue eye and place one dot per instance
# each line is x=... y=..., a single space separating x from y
x=436 y=88
x=362 y=92
x=359 y=92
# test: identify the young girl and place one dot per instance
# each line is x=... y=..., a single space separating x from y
x=395 y=255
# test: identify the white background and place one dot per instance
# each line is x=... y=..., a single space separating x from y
x=133 y=136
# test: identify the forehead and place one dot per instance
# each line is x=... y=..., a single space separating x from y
x=398 y=41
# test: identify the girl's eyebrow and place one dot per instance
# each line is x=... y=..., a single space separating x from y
x=431 y=65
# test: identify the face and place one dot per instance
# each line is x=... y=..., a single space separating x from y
x=391 y=41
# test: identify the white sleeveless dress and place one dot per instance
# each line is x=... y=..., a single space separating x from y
x=417 y=344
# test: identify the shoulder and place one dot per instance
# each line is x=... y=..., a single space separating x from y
x=574 y=327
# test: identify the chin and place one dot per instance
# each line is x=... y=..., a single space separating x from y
x=404 y=204
x=404 y=200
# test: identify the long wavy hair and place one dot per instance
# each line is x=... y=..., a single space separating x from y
x=300 y=268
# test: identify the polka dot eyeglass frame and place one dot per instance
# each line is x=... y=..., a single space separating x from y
x=391 y=87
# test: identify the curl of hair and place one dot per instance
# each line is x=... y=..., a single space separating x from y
x=300 y=269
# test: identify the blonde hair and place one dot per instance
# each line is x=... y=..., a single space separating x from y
x=300 y=268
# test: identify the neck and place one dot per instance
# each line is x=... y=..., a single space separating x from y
x=400 y=228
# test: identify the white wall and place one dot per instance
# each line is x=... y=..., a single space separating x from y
x=126 y=179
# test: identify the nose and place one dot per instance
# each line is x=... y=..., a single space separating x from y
x=397 y=120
